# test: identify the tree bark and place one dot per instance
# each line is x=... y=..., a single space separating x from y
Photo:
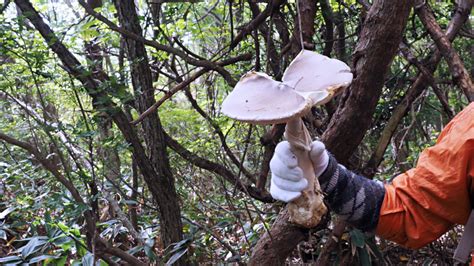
x=380 y=36
x=460 y=16
x=165 y=193
x=328 y=35
x=94 y=85
x=273 y=250
x=455 y=64
x=305 y=19
x=376 y=48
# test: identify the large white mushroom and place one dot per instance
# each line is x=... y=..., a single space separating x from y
x=310 y=79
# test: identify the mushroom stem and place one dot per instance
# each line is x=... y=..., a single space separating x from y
x=308 y=209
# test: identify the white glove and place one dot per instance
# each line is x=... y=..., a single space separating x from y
x=287 y=178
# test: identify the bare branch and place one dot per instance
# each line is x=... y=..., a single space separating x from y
x=124 y=219
x=252 y=25
x=333 y=240
x=107 y=248
x=217 y=169
x=455 y=64
x=46 y=164
x=128 y=34
x=429 y=76
x=168 y=95
x=221 y=136
x=186 y=83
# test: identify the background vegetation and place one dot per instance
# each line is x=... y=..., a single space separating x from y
x=80 y=183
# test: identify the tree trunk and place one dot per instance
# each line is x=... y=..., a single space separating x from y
x=305 y=19
x=462 y=13
x=94 y=84
x=455 y=64
x=376 y=48
x=379 y=39
x=273 y=250
x=162 y=187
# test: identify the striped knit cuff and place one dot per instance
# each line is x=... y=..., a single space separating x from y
x=355 y=198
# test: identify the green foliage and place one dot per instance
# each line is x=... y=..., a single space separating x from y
x=41 y=104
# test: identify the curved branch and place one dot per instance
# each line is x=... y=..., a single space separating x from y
x=408 y=54
x=455 y=64
x=182 y=85
x=460 y=16
x=46 y=164
x=216 y=169
x=259 y=19
x=128 y=34
x=221 y=136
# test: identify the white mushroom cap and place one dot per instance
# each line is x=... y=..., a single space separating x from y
x=310 y=79
x=259 y=99
x=311 y=73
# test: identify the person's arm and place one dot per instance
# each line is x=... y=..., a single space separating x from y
x=416 y=208
x=354 y=198
x=426 y=201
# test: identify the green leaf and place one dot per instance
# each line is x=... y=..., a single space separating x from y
x=149 y=243
x=32 y=246
x=61 y=261
x=3 y=235
x=374 y=249
x=176 y=256
x=428 y=262
x=5 y=212
x=66 y=246
x=10 y=259
x=130 y=202
x=357 y=238
x=135 y=250
x=88 y=259
x=364 y=257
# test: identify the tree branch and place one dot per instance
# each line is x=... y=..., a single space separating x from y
x=328 y=35
x=252 y=25
x=407 y=53
x=216 y=169
x=182 y=85
x=124 y=219
x=273 y=58
x=455 y=64
x=92 y=83
x=378 y=44
x=221 y=136
x=128 y=34
x=46 y=164
x=459 y=17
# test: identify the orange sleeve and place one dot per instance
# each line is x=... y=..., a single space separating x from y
x=423 y=203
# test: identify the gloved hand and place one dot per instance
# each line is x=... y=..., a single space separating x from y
x=287 y=178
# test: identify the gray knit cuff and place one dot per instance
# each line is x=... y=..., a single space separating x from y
x=355 y=198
